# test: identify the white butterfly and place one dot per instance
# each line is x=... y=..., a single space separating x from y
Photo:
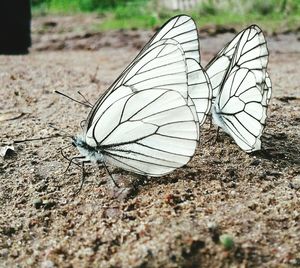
x=241 y=88
x=146 y=122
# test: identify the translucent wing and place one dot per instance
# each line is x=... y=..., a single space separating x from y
x=150 y=132
x=266 y=96
x=199 y=89
x=267 y=90
x=162 y=66
x=217 y=67
x=181 y=31
x=248 y=49
x=240 y=109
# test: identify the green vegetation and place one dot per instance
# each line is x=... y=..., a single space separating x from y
x=226 y=241
x=127 y=14
x=71 y=6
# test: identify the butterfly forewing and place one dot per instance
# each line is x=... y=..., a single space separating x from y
x=182 y=29
x=151 y=71
x=217 y=67
x=159 y=58
x=247 y=50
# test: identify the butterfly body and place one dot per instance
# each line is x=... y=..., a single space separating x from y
x=90 y=153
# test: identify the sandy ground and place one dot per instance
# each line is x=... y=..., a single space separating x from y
x=172 y=221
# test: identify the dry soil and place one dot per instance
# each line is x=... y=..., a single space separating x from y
x=172 y=221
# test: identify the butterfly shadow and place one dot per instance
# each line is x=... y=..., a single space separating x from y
x=280 y=148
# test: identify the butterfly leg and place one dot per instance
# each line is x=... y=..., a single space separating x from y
x=70 y=160
x=217 y=135
x=82 y=123
x=109 y=173
x=82 y=178
x=210 y=122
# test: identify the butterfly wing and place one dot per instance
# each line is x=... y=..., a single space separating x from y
x=161 y=66
x=199 y=89
x=150 y=132
x=267 y=93
x=248 y=49
x=239 y=109
x=181 y=31
x=146 y=125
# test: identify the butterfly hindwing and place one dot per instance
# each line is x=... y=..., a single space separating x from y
x=155 y=132
x=199 y=89
x=239 y=111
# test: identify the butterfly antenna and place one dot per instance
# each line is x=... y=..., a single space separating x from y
x=82 y=103
x=66 y=135
x=38 y=139
x=93 y=77
x=85 y=99
x=109 y=173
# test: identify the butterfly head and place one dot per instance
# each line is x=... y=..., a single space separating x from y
x=91 y=153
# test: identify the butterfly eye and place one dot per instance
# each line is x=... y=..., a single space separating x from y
x=73 y=143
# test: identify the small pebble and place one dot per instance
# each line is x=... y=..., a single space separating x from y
x=37 y=203
x=212 y=225
x=4 y=252
x=255 y=162
x=48 y=204
x=226 y=241
x=295 y=183
x=47 y=264
x=214 y=231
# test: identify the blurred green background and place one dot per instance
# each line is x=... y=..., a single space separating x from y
x=128 y=14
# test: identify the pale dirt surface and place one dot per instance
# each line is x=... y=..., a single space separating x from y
x=172 y=221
